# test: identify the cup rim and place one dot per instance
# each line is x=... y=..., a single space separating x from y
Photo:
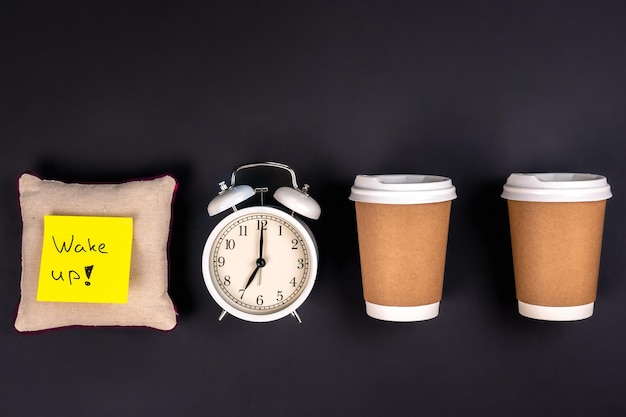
x=556 y=187
x=402 y=189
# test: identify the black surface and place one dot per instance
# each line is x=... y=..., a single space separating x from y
x=470 y=90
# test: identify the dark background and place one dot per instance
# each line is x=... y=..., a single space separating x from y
x=470 y=90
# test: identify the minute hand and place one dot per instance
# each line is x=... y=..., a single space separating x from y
x=261 y=244
x=260 y=263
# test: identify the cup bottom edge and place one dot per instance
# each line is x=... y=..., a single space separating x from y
x=568 y=313
x=402 y=313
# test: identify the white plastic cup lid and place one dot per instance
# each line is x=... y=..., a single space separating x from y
x=556 y=187
x=402 y=189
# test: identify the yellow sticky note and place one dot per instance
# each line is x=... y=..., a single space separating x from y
x=85 y=259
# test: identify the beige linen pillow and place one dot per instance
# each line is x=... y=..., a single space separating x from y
x=149 y=203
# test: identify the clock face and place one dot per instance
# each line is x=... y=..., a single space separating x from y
x=260 y=263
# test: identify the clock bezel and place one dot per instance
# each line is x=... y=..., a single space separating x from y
x=274 y=314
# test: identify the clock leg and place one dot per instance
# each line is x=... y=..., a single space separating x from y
x=222 y=315
x=295 y=314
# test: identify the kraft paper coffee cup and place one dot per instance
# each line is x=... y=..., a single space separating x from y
x=402 y=226
x=556 y=223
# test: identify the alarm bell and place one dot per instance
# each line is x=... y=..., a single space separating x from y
x=229 y=197
x=298 y=201
x=294 y=198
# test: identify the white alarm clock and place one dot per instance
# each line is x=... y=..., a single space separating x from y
x=260 y=262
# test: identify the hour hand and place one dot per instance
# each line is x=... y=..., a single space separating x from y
x=252 y=276
x=260 y=263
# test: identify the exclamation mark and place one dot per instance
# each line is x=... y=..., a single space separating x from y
x=88 y=270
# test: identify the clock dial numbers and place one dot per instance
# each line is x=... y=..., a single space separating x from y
x=260 y=263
